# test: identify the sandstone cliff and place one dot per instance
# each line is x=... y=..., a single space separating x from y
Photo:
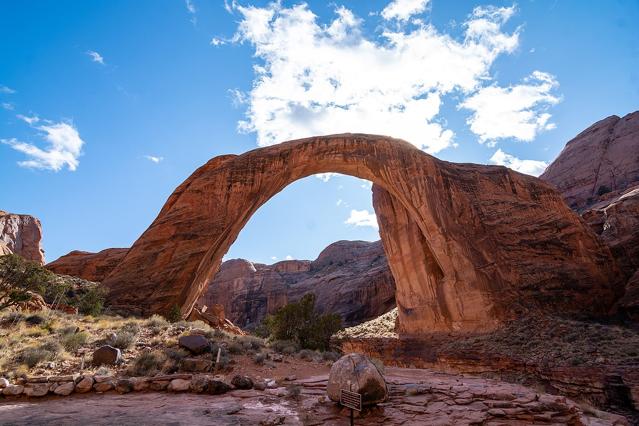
x=89 y=266
x=598 y=175
x=21 y=234
x=598 y=163
x=350 y=278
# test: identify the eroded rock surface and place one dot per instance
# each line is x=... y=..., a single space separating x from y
x=602 y=159
x=490 y=243
x=89 y=266
x=349 y=278
x=21 y=234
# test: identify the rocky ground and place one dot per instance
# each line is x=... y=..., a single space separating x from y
x=417 y=397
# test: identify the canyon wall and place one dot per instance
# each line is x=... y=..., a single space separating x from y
x=21 y=234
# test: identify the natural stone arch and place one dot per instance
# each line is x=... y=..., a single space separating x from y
x=469 y=246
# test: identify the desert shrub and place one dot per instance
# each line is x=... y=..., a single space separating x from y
x=12 y=318
x=70 y=329
x=224 y=356
x=251 y=342
x=236 y=347
x=259 y=358
x=148 y=363
x=124 y=340
x=130 y=327
x=73 y=341
x=157 y=321
x=330 y=356
x=20 y=279
x=47 y=351
x=35 y=319
x=306 y=354
x=300 y=322
x=174 y=314
x=287 y=347
x=293 y=391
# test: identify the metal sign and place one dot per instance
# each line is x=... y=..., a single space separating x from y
x=352 y=400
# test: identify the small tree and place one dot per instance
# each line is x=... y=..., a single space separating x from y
x=299 y=322
x=19 y=279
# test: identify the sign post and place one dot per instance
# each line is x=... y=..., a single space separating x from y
x=352 y=400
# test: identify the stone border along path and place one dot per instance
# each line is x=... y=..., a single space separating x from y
x=417 y=397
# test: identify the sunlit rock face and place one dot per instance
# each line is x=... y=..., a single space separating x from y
x=21 y=234
x=469 y=246
x=89 y=266
x=349 y=278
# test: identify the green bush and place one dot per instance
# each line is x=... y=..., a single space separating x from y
x=174 y=314
x=47 y=351
x=299 y=322
x=90 y=300
x=73 y=341
x=19 y=279
x=157 y=321
x=124 y=339
x=148 y=363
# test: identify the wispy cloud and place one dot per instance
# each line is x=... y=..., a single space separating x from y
x=325 y=177
x=96 y=57
x=190 y=8
x=288 y=257
x=362 y=218
x=154 y=159
x=63 y=146
x=29 y=120
x=529 y=167
x=8 y=106
x=6 y=90
x=314 y=78
x=519 y=111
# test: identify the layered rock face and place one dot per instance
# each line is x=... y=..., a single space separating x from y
x=602 y=159
x=89 y=266
x=21 y=234
x=489 y=242
x=598 y=175
x=349 y=278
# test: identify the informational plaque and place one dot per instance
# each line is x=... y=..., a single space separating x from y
x=352 y=400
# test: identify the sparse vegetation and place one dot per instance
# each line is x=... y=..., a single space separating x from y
x=124 y=340
x=301 y=323
x=148 y=363
x=20 y=280
x=73 y=341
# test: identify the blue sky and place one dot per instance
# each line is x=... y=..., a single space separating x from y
x=105 y=107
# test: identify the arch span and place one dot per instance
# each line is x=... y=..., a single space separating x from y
x=469 y=246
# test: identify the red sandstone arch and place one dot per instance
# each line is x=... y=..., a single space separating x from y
x=469 y=246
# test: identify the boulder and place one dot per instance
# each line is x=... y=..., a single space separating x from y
x=140 y=383
x=84 y=385
x=196 y=364
x=36 y=389
x=242 y=382
x=21 y=234
x=195 y=343
x=104 y=386
x=3 y=383
x=107 y=355
x=357 y=373
x=206 y=384
x=13 y=390
x=216 y=387
x=64 y=389
x=124 y=386
x=179 y=385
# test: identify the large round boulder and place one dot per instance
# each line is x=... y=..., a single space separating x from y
x=357 y=373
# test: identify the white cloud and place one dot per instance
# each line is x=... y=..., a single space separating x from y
x=402 y=10
x=325 y=177
x=315 y=79
x=216 y=41
x=64 y=147
x=8 y=106
x=518 y=111
x=153 y=158
x=529 y=167
x=339 y=202
x=6 y=90
x=273 y=257
x=289 y=257
x=96 y=57
x=29 y=120
x=362 y=218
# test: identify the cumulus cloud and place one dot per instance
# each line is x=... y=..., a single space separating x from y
x=402 y=10
x=529 y=167
x=518 y=111
x=153 y=158
x=362 y=218
x=96 y=57
x=6 y=90
x=325 y=177
x=315 y=78
x=63 y=146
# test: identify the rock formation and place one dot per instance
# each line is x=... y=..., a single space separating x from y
x=349 y=278
x=21 y=234
x=598 y=175
x=469 y=246
x=602 y=159
x=89 y=266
